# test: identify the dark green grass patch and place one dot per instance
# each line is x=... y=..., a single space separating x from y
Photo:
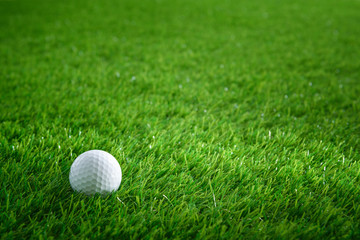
x=229 y=119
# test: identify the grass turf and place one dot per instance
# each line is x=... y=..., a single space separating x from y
x=229 y=118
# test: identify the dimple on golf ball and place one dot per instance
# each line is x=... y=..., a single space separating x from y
x=95 y=171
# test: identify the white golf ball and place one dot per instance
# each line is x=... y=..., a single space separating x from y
x=95 y=171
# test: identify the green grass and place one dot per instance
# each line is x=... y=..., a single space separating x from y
x=229 y=119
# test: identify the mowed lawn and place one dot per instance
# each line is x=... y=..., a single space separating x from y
x=230 y=119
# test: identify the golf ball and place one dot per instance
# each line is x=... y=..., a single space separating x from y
x=95 y=171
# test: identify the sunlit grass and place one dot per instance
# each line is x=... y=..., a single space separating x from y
x=229 y=119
